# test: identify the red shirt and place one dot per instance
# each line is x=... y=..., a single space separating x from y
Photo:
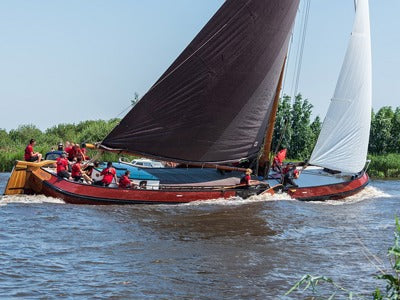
x=124 y=182
x=78 y=152
x=28 y=152
x=287 y=169
x=62 y=164
x=70 y=152
x=76 y=170
x=84 y=152
x=245 y=180
x=108 y=175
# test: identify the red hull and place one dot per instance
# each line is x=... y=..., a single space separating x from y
x=77 y=193
x=332 y=191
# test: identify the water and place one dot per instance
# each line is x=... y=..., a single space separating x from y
x=252 y=249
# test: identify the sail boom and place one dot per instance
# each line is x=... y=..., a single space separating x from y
x=209 y=165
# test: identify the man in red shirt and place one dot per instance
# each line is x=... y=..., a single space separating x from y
x=70 y=151
x=290 y=173
x=30 y=154
x=246 y=179
x=84 y=152
x=109 y=174
x=62 y=166
x=125 y=182
x=78 y=174
x=78 y=152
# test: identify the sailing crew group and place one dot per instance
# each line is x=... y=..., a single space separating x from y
x=70 y=165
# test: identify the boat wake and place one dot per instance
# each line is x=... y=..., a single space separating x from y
x=28 y=199
x=370 y=192
x=240 y=201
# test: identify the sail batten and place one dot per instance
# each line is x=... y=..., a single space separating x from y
x=343 y=141
x=212 y=105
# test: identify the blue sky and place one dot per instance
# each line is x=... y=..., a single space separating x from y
x=70 y=61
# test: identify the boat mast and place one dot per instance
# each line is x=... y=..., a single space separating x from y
x=264 y=162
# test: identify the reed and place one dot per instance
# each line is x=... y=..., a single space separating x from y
x=384 y=166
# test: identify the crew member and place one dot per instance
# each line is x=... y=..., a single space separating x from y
x=60 y=146
x=125 y=182
x=78 y=174
x=84 y=152
x=30 y=154
x=278 y=160
x=290 y=173
x=69 y=148
x=77 y=152
x=62 y=166
x=109 y=174
x=246 y=178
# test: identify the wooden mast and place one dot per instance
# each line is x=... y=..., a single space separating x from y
x=264 y=161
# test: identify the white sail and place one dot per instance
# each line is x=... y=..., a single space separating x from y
x=343 y=142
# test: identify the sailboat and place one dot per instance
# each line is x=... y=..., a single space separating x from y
x=215 y=106
x=342 y=145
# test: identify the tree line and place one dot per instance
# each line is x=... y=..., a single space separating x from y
x=295 y=130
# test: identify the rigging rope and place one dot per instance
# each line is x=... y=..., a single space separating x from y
x=300 y=49
x=298 y=64
x=123 y=111
x=372 y=258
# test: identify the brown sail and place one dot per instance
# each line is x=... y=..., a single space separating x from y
x=214 y=102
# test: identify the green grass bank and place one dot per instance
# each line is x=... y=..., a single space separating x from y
x=385 y=166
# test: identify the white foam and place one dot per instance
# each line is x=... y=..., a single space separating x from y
x=240 y=201
x=29 y=199
x=369 y=192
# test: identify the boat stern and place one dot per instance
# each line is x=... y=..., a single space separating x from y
x=26 y=178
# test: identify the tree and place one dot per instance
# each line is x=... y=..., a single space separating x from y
x=24 y=133
x=293 y=129
x=63 y=132
x=96 y=131
x=394 y=143
x=282 y=131
x=381 y=131
x=4 y=139
x=316 y=129
x=301 y=139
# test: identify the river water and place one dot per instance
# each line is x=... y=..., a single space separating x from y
x=235 y=249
